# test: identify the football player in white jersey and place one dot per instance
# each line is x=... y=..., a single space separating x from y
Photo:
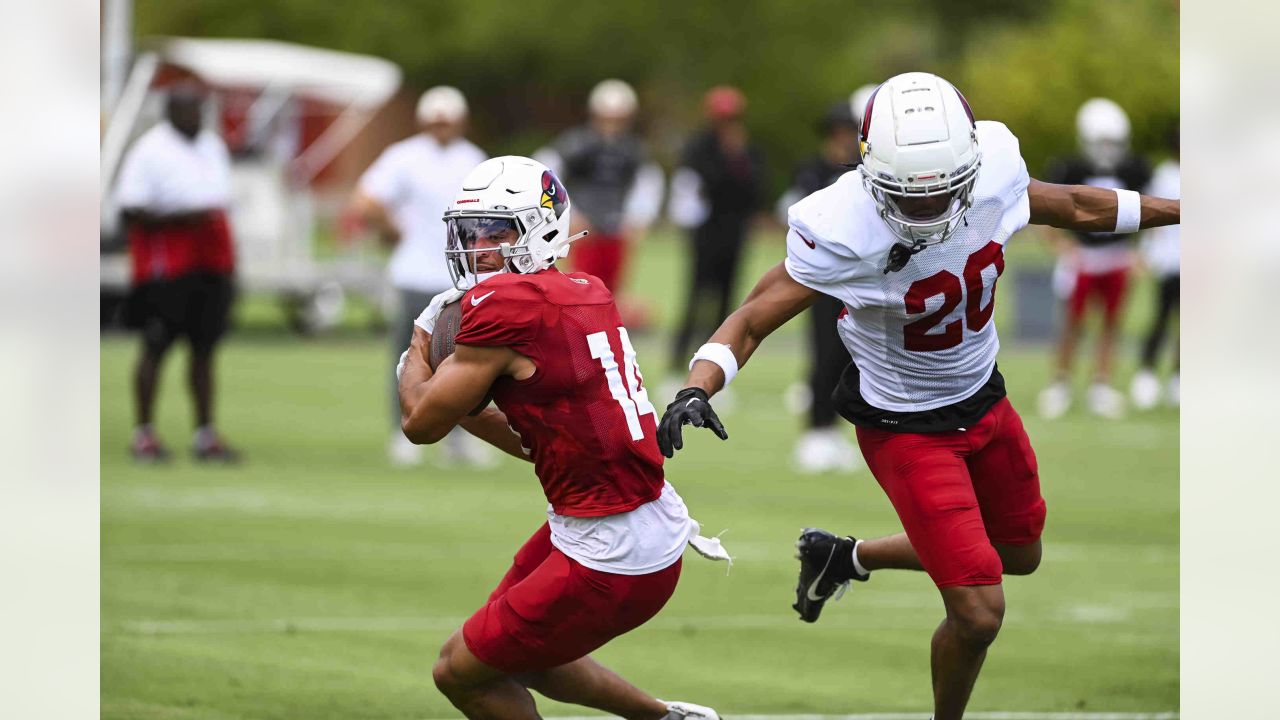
x=913 y=244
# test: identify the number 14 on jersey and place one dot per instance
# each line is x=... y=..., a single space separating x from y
x=631 y=396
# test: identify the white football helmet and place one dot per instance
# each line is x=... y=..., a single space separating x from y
x=1102 y=128
x=442 y=103
x=612 y=98
x=920 y=157
x=507 y=193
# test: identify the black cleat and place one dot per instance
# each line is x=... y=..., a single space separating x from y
x=826 y=567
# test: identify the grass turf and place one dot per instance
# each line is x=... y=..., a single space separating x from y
x=315 y=581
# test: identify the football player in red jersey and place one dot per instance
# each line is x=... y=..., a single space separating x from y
x=563 y=373
x=913 y=244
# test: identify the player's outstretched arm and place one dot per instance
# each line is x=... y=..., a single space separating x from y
x=432 y=407
x=773 y=301
x=1091 y=209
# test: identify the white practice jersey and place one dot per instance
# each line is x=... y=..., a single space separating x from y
x=922 y=337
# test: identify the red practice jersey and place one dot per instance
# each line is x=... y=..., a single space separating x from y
x=584 y=414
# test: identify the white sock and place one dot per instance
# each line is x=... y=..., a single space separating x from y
x=857 y=565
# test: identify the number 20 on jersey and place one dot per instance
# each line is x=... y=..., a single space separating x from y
x=916 y=336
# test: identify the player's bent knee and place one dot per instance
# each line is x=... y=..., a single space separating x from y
x=1021 y=559
x=445 y=671
x=977 y=614
x=446 y=677
x=980 y=627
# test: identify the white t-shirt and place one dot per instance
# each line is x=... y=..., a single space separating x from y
x=1162 y=246
x=921 y=337
x=166 y=172
x=415 y=180
x=639 y=542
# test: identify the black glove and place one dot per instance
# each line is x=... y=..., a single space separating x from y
x=692 y=406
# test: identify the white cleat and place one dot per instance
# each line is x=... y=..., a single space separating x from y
x=1173 y=393
x=403 y=453
x=825 y=450
x=1105 y=401
x=1144 y=390
x=683 y=710
x=1054 y=401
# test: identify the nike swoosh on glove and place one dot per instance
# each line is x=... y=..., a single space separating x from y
x=427 y=318
x=692 y=406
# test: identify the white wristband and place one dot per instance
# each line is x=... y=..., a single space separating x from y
x=721 y=355
x=1128 y=211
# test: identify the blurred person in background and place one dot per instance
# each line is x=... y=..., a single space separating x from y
x=913 y=244
x=403 y=196
x=173 y=190
x=1161 y=253
x=716 y=190
x=824 y=447
x=617 y=189
x=1094 y=266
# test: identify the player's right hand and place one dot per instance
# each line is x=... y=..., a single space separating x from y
x=692 y=406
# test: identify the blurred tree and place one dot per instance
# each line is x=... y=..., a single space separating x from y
x=1034 y=78
x=527 y=72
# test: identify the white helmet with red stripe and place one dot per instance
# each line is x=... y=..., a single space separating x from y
x=513 y=198
x=920 y=156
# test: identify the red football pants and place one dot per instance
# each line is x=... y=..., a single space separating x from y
x=958 y=492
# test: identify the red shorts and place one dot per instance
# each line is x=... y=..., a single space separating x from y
x=958 y=492
x=166 y=252
x=603 y=256
x=1109 y=287
x=550 y=610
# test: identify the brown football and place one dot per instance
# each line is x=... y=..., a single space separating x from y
x=442 y=343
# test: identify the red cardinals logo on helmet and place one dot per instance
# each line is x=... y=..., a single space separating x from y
x=553 y=194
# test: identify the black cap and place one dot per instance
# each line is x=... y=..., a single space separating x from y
x=838 y=115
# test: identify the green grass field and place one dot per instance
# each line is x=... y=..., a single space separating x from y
x=315 y=581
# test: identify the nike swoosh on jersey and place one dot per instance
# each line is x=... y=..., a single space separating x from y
x=812 y=245
x=476 y=300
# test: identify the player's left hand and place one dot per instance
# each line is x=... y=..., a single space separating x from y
x=692 y=406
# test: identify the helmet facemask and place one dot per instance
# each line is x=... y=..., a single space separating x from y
x=897 y=202
x=512 y=216
x=480 y=245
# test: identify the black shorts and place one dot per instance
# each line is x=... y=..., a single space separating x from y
x=193 y=306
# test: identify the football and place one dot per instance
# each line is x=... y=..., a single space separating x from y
x=442 y=344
